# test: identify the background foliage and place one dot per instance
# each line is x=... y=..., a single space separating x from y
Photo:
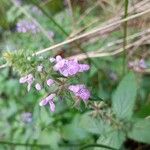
x=117 y=115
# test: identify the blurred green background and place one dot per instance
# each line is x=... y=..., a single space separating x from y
x=22 y=121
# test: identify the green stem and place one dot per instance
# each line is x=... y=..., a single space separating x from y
x=23 y=144
x=125 y=35
x=50 y=17
x=97 y=145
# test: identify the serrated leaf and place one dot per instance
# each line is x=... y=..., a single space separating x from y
x=113 y=139
x=93 y=125
x=73 y=132
x=141 y=131
x=123 y=100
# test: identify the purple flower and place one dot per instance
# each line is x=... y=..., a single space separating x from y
x=38 y=87
x=49 y=100
x=27 y=79
x=26 y=26
x=40 y=68
x=80 y=91
x=69 y=67
x=49 y=82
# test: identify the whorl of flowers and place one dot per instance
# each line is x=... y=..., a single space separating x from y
x=65 y=68
x=24 y=26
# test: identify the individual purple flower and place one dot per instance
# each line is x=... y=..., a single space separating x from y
x=40 y=68
x=26 y=26
x=49 y=82
x=80 y=91
x=49 y=100
x=27 y=79
x=66 y=67
x=38 y=87
x=69 y=67
x=23 y=79
x=26 y=117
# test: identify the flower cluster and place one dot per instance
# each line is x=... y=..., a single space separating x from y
x=137 y=65
x=26 y=26
x=66 y=68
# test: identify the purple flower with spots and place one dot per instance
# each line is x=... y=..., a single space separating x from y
x=80 y=91
x=27 y=79
x=49 y=82
x=49 y=100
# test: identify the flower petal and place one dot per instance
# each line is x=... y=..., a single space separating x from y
x=43 y=102
x=52 y=106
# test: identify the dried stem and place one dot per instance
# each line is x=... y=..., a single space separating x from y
x=99 y=53
x=91 y=32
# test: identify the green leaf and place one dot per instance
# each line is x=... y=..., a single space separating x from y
x=123 y=100
x=51 y=138
x=113 y=139
x=73 y=132
x=141 y=131
x=93 y=125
